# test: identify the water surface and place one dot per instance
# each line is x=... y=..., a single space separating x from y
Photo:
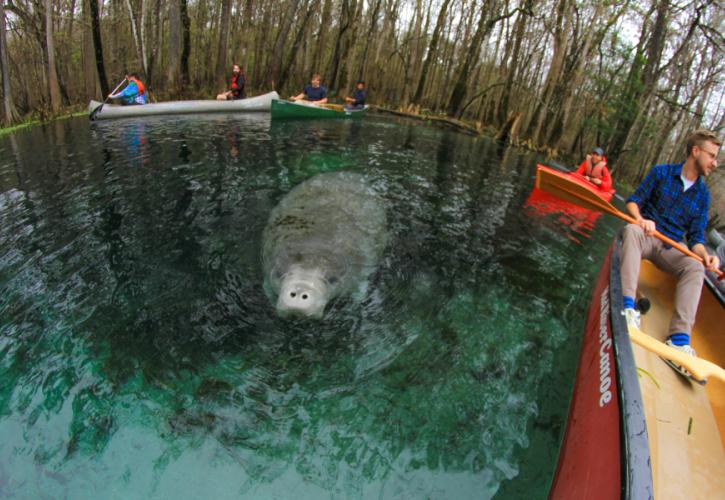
x=141 y=358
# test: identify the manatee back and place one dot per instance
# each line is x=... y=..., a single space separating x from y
x=333 y=222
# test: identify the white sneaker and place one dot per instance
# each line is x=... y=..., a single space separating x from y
x=687 y=349
x=632 y=317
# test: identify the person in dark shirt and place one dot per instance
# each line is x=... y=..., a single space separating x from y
x=673 y=199
x=236 y=87
x=313 y=92
x=357 y=101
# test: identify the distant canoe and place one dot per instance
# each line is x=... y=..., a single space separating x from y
x=302 y=109
x=258 y=103
x=568 y=180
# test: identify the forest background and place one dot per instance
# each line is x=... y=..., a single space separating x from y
x=634 y=77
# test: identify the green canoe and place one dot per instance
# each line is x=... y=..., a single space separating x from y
x=288 y=109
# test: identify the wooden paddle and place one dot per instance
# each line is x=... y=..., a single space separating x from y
x=575 y=193
x=700 y=369
x=95 y=112
x=334 y=107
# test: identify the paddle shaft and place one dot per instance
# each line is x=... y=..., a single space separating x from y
x=115 y=90
x=99 y=108
x=592 y=201
x=699 y=368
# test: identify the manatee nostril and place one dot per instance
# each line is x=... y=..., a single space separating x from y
x=292 y=294
x=304 y=296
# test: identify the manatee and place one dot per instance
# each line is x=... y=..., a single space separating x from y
x=322 y=240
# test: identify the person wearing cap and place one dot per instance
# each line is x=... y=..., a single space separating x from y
x=594 y=169
x=672 y=199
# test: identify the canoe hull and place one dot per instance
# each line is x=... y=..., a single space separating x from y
x=288 y=110
x=258 y=103
x=649 y=447
x=548 y=175
x=589 y=459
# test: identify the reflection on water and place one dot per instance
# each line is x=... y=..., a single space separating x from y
x=570 y=219
x=141 y=356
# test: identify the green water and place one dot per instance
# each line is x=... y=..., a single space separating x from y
x=141 y=358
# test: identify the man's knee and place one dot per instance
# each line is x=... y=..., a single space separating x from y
x=691 y=267
x=632 y=231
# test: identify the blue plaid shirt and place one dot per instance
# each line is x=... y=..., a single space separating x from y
x=661 y=197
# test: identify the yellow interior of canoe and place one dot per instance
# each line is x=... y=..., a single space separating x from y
x=685 y=421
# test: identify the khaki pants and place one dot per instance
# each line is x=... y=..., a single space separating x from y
x=689 y=273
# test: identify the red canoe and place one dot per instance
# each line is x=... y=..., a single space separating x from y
x=636 y=428
x=550 y=175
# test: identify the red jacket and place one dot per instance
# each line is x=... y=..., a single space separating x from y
x=598 y=171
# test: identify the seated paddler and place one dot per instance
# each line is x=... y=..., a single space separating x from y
x=357 y=101
x=594 y=169
x=313 y=91
x=236 y=86
x=133 y=93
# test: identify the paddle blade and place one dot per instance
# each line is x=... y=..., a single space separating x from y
x=700 y=369
x=572 y=190
x=95 y=110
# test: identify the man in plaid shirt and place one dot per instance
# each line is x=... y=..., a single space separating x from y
x=672 y=199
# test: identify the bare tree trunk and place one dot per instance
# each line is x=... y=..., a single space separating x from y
x=566 y=140
x=274 y=64
x=322 y=37
x=295 y=47
x=432 y=52
x=53 y=86
x=173 y=66
x=360 y=72
x=138 y=36
x=90 y=73
x=555 y=70
x=460 y=87
x=11 y=114
x=345 y=18
x=98 y=46
x=185 y=42
x=519 y=31
x=221 y=60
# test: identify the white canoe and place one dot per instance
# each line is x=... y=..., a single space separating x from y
x=258 y=103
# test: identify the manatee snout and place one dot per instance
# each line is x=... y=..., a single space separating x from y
x=302 y=293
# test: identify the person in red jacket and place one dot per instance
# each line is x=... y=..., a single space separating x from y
x=594 y=169
x=236 y=86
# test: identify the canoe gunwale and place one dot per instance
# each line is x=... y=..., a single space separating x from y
x=636 y=469
x=292 y=110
